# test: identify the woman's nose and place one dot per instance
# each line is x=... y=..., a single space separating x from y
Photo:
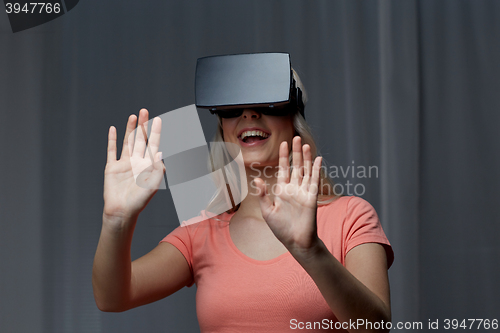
x=251 y=114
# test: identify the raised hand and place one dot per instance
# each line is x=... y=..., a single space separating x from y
x=123 y=198
x=291 y=214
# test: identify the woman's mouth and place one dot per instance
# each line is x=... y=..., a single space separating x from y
x=253 y=138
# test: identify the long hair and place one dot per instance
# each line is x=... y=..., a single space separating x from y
x=233 y=184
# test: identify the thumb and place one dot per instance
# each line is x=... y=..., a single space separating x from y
x=158 y=170
x=151 y=177
x=158 y=161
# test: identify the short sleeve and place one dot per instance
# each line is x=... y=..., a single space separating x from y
x=362 y=225
x=181 y=239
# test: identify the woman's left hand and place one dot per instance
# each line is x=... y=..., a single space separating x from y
x=291 y=213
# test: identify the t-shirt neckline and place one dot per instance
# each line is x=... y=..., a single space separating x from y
x=244 y=256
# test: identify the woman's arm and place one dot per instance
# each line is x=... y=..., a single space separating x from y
x=111 y=273
x=119 y=284
x=359 y=291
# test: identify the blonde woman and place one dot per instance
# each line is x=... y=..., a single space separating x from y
x=291 y=256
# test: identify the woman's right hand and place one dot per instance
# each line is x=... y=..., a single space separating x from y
x=123 y=198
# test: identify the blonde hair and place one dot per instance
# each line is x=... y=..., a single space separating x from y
x=220 y=159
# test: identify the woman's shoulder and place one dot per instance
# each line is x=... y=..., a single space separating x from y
x=199 y=227
x=356 y=221
x=204 y=224
x=344 y=204
x=345 y=209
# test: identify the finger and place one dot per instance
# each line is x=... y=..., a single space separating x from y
x=141 y=134
x=296 y=161
x=284 y=164
x=313 y=187
x=306 y=149
x=128 y=139
x=264 y=199
x=112 y=144
x=154 y=137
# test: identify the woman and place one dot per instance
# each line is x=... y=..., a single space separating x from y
x=279 y=262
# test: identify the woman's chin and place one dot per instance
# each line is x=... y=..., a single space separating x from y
x=259 y=159
x=259 y=164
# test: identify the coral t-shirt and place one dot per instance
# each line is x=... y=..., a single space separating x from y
x=236 y=293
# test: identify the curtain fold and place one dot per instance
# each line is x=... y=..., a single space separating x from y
x=399 y=148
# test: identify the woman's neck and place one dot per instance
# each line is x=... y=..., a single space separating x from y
x=250 y=206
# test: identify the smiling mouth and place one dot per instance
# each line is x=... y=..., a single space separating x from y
x=253 y=136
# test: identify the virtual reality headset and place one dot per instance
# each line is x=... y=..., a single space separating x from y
x=228 y=84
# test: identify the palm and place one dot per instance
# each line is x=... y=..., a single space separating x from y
x=291 y=214
x=131 y=181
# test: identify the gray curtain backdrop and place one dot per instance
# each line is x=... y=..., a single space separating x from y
x=410 y=87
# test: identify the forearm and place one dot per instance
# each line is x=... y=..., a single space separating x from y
x=111 y=274
x=347 y=297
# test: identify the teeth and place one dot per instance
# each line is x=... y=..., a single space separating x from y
x=254 y=133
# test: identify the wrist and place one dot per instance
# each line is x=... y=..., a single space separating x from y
x=119 y=222
x=316 y=250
